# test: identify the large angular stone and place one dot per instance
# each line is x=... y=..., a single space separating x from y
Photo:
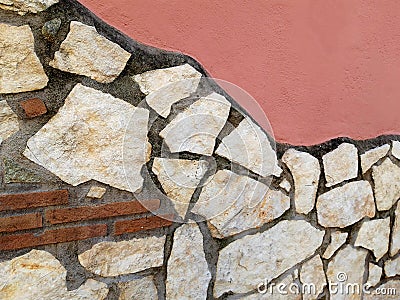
x=8 y=121
x=346 y=205
x=395 y=247
x=340 y=164
x=337 y=240
x=196 y=128
x=26 y=6
x=305 y=170
x=246 y=262
x=250 y=147
x=86 y=52
x=232 y=203
x=387 y=184
x=179 y=179
x=20 y=68
x=138 y=289
x=89 y=138
x=392 y=267
x=312 y=274
x=187 y=271
x=39 y=275
x=369 y=158
x=165 y=87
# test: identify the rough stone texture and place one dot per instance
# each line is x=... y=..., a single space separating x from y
x=187 y=270
x=14 y=173
x=395 y=247
x=8 y=121
x=285 y=184
x=138 y=289
x=337 y=240
x=96 y=192
x=374 y=274
x=51 y=28
x=312 y=272
x=119 y=258
x=396 y=149
x=387 y=184
x=21 y=277
x=346 y=205
x=391 y=287
x=369 y=158
x=86 y=52
x=165 y=87
x=196 y=128
x=232 y=203
x=374 y=235
x=250 y=147
x=392 y=267
x=340 y=164
x=26 y=6
x=305 y=170
x=33 y=107
x=247 y=261
x=88 y=139
x=20 y=68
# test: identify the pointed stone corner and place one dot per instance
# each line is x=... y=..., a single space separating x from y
x=313 y=274
x=27 y=6
x=396 y=149
x=395 y=247
x=374 y=274
x=86 y=52
x=196 y=128
x=21 y=70
x=337 y=240
x=142 y=288
x=9 y=123
x=369 y=158
x=305 y=170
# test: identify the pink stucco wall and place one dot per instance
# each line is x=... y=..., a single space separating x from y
x=319 y=68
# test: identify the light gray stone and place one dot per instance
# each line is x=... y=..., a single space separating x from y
x=23 y=7
x=396 y=149
x=374 y=274
x=96 y=192
x=392 y=267
x=369 y=158
x=387 y=291
x=337 y=240
x=395 y=247
x=86 y=52
x=138 y=289
x=285 y=184
x=8 y=121
x=312 y=274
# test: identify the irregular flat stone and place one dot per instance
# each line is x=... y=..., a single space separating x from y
x=96 y=192
x=369 y=158
x=374 y=235
x=387 y=184
x=20 y=68
x=165 y=87
x=374 y=274
x=391 y=289
x=340 y=164
x=395 y=248
x=305 y=170
x=346 y=205
x=89 y=139
x=232 y=203
x=312 y=274
x=285 y=184
x=392 y=267
x=39 y=275
x=250 y=147
x=187 y=265
x=179 y=179
x=23 y=7
x=142 y=288
x=396 y=149
x=119 y=258
x=86 y=52
x=15 y=173
x=337 y=240
x=197 y=127
x=8 y=121
x=246 y=262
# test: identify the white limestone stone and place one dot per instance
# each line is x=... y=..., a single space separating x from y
x=312 y=274
x=188 y=276
x=8 y=121
x=39 y=275
x=89 y=138
x=395 y=247
x=96 y=192
x=86 y=52
x=20 y=68
x=305 y=170
x=392 y=267
x=23 y=7
x=179 y=179
x=374 y=274
x=390 y=288
x=285 y=184
x=387 y=184
x=165 y=87
x=250 y=147
x=197 y=127
x=233 y=203
x=138 y=289
x=369 y=158
x=374 y=235
x=119 y=258
x=246 y=262
x=346 y=205
x=396 y=149
x=337 y=240
x=340 y=164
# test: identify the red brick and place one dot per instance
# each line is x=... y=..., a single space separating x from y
x=75 y=214
x=33 y=107
x=62 y=235
x=130 y=226
x=32 y=200
x=22 y=222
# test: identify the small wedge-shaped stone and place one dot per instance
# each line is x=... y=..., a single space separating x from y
x=90 y=138
x=337 y=240
x=369 y=158
x=232 y=203
x=340 y=164
x=96 y=192
x=392 y=267
x=187 y=270
x=119 y=258
x=20 y=68
x=165 y=87
x=138 y=289
x=312 y=274
x=305 y=170
x=26 y=6
x=86 y=52
x=179 y=179
x=250 y=147
x=8 y=121
x=387 y=184
x=396 y=149
x=39 y=275
x=395 y=248
x=196 y=128
x=246 y=262
x=374 y=274
x=346 y=205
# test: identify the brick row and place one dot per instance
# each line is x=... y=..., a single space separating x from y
x=131 y=226
x=22 y=222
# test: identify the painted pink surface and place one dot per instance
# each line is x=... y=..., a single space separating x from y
x=319 y=69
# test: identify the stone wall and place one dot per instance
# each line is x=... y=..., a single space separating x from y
x=127 y=173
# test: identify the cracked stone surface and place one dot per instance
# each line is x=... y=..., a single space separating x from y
x=8 y=121
x=312 y=272
x=392 y=267
x=369 y=158
x=140 y=289
x=86 y=52
x=395 y=248
x=23 y=7
x=374 y=275
x=337 y=240
x=346 y=205
x=305 y=170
